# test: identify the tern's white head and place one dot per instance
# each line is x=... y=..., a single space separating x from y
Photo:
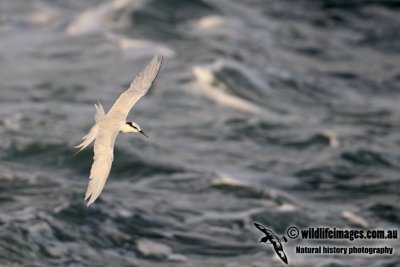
x=132 y=127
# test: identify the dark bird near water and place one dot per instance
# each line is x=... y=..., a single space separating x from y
x=274 y=240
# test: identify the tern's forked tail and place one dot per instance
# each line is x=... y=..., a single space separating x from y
x=89 y=138
x=100 y=114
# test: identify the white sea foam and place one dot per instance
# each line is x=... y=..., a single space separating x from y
x=355 y=219
x=206 y=77
x=89 y=21
x=216 y=25
x=94 y=20
x=133 y=48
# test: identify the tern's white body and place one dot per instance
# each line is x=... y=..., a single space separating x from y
x=108 y=126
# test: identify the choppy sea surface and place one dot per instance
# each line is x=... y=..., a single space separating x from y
x=281 y=112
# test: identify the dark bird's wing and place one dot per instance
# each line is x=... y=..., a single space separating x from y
x=266 y=231
x=274 y=241
x=279 y=250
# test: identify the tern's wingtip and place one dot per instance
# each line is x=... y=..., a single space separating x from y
x=159 y=58
x=88 y=201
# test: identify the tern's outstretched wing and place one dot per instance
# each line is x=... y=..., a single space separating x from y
x=138 y=88
x=103 y=157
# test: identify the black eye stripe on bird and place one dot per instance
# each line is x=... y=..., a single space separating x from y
x=131 y=124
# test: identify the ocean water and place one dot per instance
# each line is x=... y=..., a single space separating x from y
x=281 y=112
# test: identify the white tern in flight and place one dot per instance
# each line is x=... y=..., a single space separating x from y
x=107 y=127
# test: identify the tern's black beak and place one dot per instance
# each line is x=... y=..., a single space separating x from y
x=141 y=131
